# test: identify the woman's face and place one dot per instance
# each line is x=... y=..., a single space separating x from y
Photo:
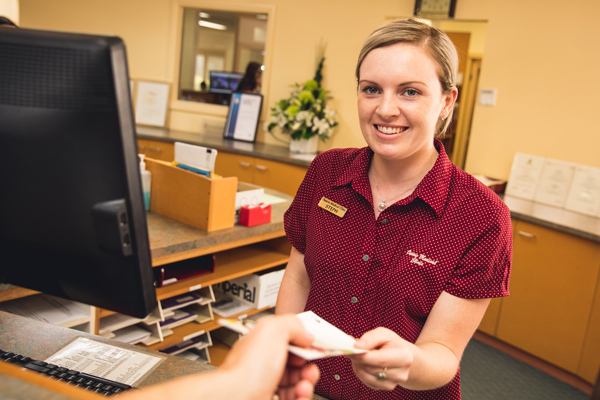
x=400 y=100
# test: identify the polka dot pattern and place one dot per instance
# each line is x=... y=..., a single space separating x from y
x=451 y=234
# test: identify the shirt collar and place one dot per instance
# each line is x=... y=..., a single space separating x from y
x=433 y=189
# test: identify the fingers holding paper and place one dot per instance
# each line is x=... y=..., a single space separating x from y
x=388 y=361
x=262 y=359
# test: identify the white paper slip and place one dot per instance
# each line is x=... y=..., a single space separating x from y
x=46 y=308
x=115 y=322
x=329 y=340
x=106 y=361
x=131 y=334
x=270 y=199
x=584 y=195
x=524 y=175
x=554 y=184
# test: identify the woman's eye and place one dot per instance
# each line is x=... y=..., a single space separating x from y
x=370 y=90
x=411 y=92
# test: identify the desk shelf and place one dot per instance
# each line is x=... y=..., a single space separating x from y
x=192 y=329
x=234 y=263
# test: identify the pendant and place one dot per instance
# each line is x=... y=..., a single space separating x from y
x=381 y=206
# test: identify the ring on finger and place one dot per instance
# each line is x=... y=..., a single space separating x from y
x=381 y=375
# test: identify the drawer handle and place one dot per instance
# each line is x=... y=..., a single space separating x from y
x=141 y=147
x=155 y=148
x=527 y=235
x=244 y=164
x=262 y=167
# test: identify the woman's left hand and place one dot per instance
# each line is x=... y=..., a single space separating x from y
x=388 y=362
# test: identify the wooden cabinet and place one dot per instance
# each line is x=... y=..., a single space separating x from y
x=590 y=355
x=554 y=280
x=156 y=149
x=489 y=322
x=283 y=177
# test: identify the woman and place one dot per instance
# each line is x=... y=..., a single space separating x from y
x=252 y=78
x=411 y=264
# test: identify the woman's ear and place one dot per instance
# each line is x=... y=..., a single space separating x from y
x=448 y=100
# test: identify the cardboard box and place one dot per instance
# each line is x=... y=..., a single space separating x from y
x=207 y=204
x=259 y=289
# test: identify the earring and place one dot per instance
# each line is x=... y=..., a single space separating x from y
x=443 y=117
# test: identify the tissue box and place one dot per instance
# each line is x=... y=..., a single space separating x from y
x=255 y=215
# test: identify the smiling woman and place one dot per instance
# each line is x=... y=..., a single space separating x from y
x=411 y=267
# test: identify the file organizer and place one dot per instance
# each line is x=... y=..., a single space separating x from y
x=204 y=203
x=185 y=269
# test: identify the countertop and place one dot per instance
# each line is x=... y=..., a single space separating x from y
x=261 y=150
x=40 y=340
x=561 y=220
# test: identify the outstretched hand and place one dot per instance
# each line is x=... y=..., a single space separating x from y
x=260 y=362
x=390 y=357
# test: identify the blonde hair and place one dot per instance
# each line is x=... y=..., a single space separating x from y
x=434 y=41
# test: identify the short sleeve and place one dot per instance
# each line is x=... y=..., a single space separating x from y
x=485 y=267
x=296 y=216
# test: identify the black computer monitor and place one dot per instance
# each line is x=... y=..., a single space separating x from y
x=224 y=82
x=72 y=219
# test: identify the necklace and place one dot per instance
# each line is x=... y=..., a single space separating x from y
x=382 y=206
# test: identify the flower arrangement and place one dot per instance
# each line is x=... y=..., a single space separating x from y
x=304 y=114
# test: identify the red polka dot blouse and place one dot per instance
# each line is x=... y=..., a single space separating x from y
x=451 y=234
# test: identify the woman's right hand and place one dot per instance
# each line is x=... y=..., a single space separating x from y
x=390 y=357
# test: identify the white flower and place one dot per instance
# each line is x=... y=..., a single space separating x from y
x=321 y=126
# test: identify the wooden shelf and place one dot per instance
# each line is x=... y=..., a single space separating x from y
x=190 y=329
x=233 y=264
x=218 y=352
x=16 y=293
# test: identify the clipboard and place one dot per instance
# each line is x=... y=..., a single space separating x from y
x=243 y=116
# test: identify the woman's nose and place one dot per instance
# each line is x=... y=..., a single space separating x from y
x=388 y=106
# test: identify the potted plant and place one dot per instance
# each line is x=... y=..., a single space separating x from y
x=304 y=115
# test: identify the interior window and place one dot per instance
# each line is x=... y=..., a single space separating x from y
x=216 y=49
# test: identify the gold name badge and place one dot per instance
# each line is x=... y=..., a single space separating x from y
x=332 y=207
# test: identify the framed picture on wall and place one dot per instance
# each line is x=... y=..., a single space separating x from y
x=151 y=103
x=243 y=116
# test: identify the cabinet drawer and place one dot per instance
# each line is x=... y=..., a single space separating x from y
x=552 y=288
x=285 y=178
x=279 y=176
x=228 y=164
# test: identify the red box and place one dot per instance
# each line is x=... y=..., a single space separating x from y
x=255 y=215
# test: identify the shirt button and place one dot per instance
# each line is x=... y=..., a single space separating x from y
x=385 y=221
x=337 y=377
x=354 y=300
x=366 y=258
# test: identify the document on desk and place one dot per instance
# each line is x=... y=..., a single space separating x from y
x=106 y=361
x=555 y=182
x=525 y=175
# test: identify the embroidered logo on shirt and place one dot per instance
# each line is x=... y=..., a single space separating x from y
x=332 y=207
x=420 y=259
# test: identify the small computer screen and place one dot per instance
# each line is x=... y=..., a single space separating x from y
x=224 y=82
x=72 y=218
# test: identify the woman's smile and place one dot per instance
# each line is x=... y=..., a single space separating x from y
x=389 y=130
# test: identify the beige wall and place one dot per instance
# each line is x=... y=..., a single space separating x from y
x=543 y=57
